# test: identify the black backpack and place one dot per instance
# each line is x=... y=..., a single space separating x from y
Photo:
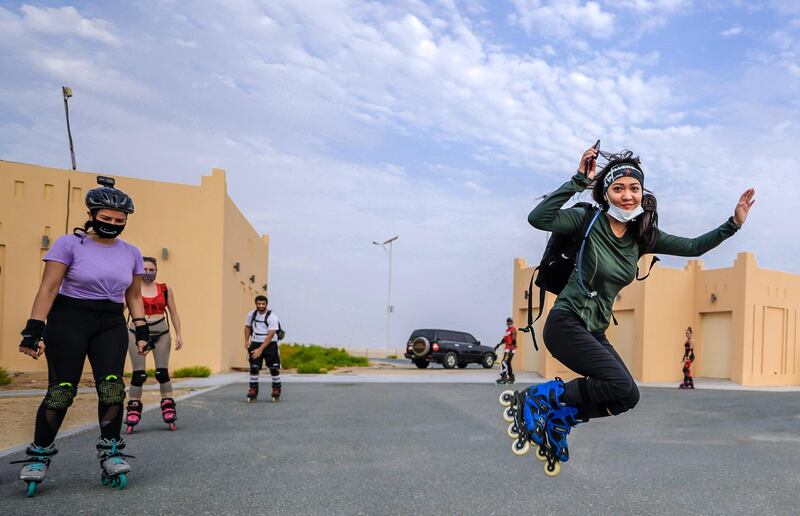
x=558 y=262
x=280 y=333
x=562 y=255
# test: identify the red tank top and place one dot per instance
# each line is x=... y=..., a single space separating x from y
x=510 y=338
x=156 y=305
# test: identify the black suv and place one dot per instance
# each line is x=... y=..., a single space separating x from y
x=449 y=348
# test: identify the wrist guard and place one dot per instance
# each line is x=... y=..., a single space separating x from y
x=143 y=333
x=32 y=334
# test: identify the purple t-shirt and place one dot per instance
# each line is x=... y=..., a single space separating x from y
x=96 y=271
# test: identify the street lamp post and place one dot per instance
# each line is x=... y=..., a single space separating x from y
x=67 y=93
x=389 y=307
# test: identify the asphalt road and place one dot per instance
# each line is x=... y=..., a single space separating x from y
x=364 y=448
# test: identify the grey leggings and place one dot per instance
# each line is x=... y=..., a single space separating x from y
x=161 y=356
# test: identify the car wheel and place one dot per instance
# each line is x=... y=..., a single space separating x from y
x=488 y=361
x=462 y=365
x=421 y=347
x=422 y=364
x=450 y=360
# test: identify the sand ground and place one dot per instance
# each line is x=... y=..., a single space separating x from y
x=19 y=413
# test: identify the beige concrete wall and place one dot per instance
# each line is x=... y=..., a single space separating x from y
x=744 y=317
x=201 y=230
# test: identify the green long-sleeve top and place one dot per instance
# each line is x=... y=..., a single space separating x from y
x=609 y=262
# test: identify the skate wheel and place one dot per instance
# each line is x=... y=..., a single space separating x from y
x=31 y=489
x=122 y=481
x=508 y=414
x=171 y=427
x=520 y=448
x=541 y=453
x=506 y=398
x=513 y=431
x=552 y=471
x=129 y=430
x=105 y=480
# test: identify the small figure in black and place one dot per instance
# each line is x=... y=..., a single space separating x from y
x=688 y=358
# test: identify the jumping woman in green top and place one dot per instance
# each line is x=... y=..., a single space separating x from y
x=575 y=328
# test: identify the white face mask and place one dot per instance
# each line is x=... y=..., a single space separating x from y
x=624 y=216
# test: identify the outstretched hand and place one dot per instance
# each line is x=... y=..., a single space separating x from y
x=588 y=163
x=746 y=202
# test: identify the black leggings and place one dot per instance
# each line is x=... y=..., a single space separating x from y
x=607 y=387
x=77 y=329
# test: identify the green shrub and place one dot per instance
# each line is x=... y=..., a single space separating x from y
x=312 y=359
x=391 y=356
x=5 y=378
x=198 y=371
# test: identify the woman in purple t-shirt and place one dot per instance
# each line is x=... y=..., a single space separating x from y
x=88 y=277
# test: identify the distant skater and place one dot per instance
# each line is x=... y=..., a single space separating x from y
x=261 y=329
x=688 y=358
x=159 y=309
x=510 y=342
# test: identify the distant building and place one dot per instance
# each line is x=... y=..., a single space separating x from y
x=745 y=322
x=206 y=249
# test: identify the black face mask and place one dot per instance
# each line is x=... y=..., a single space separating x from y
x=106 y=230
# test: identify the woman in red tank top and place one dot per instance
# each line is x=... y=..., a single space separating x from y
x=159 y=309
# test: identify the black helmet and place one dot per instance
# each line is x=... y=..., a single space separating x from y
x=108 y=197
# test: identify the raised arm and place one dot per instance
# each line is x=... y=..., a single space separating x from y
x=681 y=246
x=548 y=215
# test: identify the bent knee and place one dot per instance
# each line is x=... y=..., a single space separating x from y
x=632 y=397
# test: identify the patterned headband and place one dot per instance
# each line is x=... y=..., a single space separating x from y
x=622 y=170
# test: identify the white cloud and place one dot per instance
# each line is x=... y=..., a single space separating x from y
x=67 y=21
x=563 y=18
x=653 y=6
x=733 y=31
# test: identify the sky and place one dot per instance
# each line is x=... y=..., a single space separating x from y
x=344 y=122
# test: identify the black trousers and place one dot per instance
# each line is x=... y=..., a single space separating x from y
x=78 y=329
x=607 y=387
x=271 y=358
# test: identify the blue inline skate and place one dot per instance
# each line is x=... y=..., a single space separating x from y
x=558 y=425
x=38 y=461
x=527 y=413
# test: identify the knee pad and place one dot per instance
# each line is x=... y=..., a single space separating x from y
x=138 y=378
x=162 y=375
x=255 y=368
x=60 y=396
x=274 y=371
x=111 y=390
